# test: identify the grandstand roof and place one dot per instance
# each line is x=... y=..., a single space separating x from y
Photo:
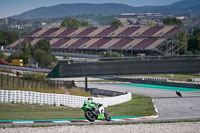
x=112 y=38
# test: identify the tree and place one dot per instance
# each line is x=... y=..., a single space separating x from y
x=67 y=22
x=27 y=53
x=44 y=59
x=43 y=45
x=84 y=24
x=7 y=37
x=2 y=55
x=194 y=42
x=65 y=56
x=111 y=54
x=15 y=55
x=171 y=21
x=116 y=23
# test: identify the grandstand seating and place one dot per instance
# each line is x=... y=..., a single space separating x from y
x=164 y=30
x=145 y=43
x=25 y=41
x=133 y=43
x=106 y=32
x=78 y=43
x=128 y=31
x=40 y=32
x=59 y=43
x=34 y=31
x=70 y=42
x=89 y=43
x=117 y=31
x=76 y=32
x=97 y=31
x=113 y=38
x=173 y=31
x=49 y=32
x=121 y=43
x=67 y=32
x=99 y=43
x=156 y=43
x=87 y=31
x=35 y=41
x=151 y=31
x=140 y=31
x=110 y=43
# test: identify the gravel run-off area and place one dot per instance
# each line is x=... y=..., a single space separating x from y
x=183 y=127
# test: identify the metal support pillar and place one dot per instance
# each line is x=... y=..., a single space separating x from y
x=86 y=83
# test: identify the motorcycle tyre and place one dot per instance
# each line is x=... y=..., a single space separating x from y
x=87 y=116
x=107 y=117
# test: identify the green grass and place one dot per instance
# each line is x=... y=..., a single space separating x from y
x=138 y=106
x=177 y=77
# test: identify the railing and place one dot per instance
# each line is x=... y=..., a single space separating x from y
x=145 y=58
x=13 y=82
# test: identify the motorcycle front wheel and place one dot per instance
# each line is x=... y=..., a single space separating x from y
x=107 y=117
x=90 y=116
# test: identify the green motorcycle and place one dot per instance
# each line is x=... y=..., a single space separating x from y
x=93 y=114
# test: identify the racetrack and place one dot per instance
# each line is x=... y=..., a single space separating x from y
x=169 y=105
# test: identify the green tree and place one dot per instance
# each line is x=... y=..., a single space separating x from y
x=43 y=45
x=2 y=55
x=85 y=24
x=67 y=22
x=116 y=23
x=27 y=53
x=44 y=59
x=111 y=54
x=65 y=56
x=7 y=37
x=172 y=21
x=194 y=41
x=15 y=55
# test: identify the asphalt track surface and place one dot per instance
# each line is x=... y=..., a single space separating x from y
x=169 y=105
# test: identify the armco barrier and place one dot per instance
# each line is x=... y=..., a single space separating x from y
x=29 y=97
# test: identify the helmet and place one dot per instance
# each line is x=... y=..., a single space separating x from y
x=89 y=98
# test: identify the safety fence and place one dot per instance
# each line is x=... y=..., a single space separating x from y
x=150 y=79
x=163 y=83
x=7 y=81
x=194 y=80
x=30 y=97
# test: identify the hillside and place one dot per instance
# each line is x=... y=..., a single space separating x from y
x=75 y=9
x=191 y=7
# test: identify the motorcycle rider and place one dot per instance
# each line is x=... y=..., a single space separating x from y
x=91 y=104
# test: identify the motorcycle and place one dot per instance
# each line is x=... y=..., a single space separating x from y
x=92 y=114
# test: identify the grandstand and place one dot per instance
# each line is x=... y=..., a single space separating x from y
x=129 y=40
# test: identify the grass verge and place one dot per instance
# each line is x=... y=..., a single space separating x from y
x=138 y=106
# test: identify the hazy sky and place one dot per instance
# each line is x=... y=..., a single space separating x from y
x=14 y=7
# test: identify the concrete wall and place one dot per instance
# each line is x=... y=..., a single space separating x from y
x=30 y=97
x=128 y=67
